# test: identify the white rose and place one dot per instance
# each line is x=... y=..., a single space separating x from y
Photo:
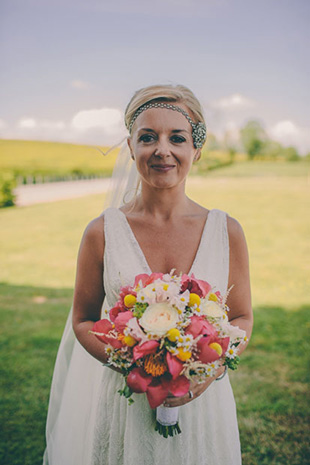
x=159 y=318
x=211 y=308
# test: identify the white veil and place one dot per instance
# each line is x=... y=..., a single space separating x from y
x=76 y=380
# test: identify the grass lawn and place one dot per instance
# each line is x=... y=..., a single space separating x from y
x=37 y=275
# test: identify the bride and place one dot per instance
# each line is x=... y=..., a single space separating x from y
x=159 y=230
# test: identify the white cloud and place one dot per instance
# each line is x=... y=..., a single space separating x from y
x=79 y=84
x=103 y=126
x=3 y=124
x=27 y=123
x=107 y=119
x=234 y=101
x=32 y=124
x=288 y=133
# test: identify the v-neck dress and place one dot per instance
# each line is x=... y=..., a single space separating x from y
x=124 y=434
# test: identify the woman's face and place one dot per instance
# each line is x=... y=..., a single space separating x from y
x=162 y=146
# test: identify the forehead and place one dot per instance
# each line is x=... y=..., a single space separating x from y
x=162 y=119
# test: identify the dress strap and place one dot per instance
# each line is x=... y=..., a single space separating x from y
x=212 y=264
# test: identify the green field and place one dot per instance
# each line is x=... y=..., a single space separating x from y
x=271 y=385
x=33 y=158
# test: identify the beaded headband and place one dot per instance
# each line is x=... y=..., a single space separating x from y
x=199 y=130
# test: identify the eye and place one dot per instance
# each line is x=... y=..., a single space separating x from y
x=146 y=138
x=178 y=139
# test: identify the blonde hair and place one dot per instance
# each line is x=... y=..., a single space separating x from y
x=164 y=93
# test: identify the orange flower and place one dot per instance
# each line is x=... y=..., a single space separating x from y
x=155 y=364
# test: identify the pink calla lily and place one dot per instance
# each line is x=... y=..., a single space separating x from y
x=197 y=286
x=178 y=387
x=146 y=348
x=122 y=319
x=113 y=313
x=146 y=279
x=159 y=389
x=175 y=366
x=104 y=327
x=138 y=380
x=156 y=393
x=200 y=326
x=206 y=353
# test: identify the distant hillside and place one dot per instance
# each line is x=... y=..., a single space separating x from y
x=36 y=158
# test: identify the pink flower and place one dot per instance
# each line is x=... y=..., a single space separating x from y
x=135 y=330
x=156 y=393
x=159 y=389
x=175 y=366
x=200 y=326
x=147 y=279
x=122 y=319
x=146 y=348
x=138 y=380
x=118 y=307
x=197 y=286
x=206 y=354
x=105 y=328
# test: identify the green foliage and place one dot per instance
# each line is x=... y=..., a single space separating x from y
x=139 y=309
x=127 y=393
x=7 y=185
x=232 y=363
x=259 y=146
x=253 y=137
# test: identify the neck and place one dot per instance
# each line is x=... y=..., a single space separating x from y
x=163 y=203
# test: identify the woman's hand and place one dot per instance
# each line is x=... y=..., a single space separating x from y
x=195 y=390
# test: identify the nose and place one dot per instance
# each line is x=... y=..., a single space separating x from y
x=162 y=149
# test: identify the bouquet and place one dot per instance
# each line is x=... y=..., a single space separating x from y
x=165 y=331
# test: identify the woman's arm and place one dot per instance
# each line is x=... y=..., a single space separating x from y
x=239 y=299
x=89 y=291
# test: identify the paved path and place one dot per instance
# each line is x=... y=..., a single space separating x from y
x=53 y=191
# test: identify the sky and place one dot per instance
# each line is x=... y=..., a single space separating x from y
x=69 y=67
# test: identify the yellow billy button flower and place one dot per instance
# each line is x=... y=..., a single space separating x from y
x=215 y=346
x=183 y=355
x=129 y=341
x=173 y=334
x=193 y=299
x=213 y=297
x=165 y=287
x=129 y=300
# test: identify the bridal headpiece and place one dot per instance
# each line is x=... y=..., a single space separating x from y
x=199 y=130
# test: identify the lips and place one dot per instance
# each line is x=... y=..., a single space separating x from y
x=162 y=167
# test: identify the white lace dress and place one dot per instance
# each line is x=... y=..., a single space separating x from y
x=124 y=434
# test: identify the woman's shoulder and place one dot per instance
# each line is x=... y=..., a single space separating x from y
x=236 y=235
x=94 y=231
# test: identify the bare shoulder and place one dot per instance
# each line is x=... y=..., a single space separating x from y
x=94 y=233
x=238 y=250
x=235 y=231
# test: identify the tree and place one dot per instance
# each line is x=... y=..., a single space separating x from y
x=254 y=138
x=212 y=143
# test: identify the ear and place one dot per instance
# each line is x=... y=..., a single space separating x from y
x=129 y=143
x=197 y=155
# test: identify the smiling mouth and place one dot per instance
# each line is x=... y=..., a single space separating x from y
x=162 y=168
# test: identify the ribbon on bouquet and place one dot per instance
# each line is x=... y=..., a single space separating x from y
x=167 y=421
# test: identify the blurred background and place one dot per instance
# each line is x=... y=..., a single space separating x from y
x=68 y=69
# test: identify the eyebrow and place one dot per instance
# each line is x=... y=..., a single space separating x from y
x=176 y=131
